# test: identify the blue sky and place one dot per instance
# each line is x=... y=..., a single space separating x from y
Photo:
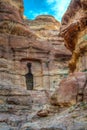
x=57 y=8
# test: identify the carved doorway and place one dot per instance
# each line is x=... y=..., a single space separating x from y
x=29 y=77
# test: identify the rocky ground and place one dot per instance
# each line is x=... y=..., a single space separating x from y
x=73 y=118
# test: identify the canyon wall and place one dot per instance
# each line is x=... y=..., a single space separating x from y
x=24 y=41
x=22 y=45
x=74 y=31
x=46 y=27
x=73 y=89
x=36 y=48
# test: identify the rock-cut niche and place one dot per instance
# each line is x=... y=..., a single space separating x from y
x=29 y=77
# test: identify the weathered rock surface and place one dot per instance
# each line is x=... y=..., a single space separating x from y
x=11 y=18
x=45 y=27
x=71 y=90
x=47 y=33
x=74 y=31
x=20 y=44
x=23 y=42
x=13 y=95
x=75 y=118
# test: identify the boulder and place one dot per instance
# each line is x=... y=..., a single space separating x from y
x=71 y=90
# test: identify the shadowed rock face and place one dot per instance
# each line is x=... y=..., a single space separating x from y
x=73 y=89
x=74 y=31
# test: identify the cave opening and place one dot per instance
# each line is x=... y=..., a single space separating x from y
x=29 y=78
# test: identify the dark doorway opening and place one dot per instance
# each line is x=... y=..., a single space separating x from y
x=29 y=77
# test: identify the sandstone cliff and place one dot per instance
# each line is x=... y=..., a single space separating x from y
x=74 y=31
x=73 y=89
x=19 y=45
x=25 y=43
x=46 y=28
x=11 y=18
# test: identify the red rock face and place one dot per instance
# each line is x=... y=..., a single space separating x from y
x=74 y=31
x=71 y=90
x=45 y=51
x=46 y=28
x=11 y=22
x=10 y=10
x=20 y=45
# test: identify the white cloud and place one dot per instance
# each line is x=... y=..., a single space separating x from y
x=58 y=7
x=55 y=7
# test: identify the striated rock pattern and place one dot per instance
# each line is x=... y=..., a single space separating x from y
x=74 y=31
x=46 y=27
x=11 y=18
x=19 y=46
x=32 y=55
x=23 y=42
x=73 y=89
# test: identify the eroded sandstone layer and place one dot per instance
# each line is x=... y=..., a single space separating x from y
x=46 y=28
x=11 y=18
x=73 y=89
x=23 y=42
x=28 y=47
x=19 y=46
x=74 y=31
